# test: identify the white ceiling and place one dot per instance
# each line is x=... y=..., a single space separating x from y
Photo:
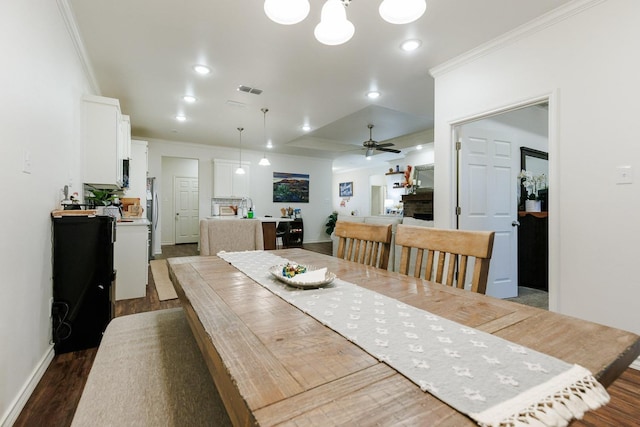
x=142 y=53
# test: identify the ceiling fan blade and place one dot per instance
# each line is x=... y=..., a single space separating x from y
x=386 y=144
x=389 y=150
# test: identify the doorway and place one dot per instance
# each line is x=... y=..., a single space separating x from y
x=171 y=168
x=186 y=200
x=487 y=188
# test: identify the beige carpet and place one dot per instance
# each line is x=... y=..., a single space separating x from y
x=160 y=274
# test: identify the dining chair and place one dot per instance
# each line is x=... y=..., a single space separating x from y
x=367 y=244
x=452 y=248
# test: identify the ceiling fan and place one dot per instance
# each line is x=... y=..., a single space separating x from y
x=372 y=145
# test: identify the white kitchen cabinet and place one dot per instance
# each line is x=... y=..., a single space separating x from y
x=130 y=259
x=102 y=140
x=138 y=171
x=226 y=183
x=125 y=137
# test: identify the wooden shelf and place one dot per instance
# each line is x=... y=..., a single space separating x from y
x=395 y=173
x=544 y=214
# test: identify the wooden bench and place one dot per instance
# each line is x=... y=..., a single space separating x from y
x=149 y=372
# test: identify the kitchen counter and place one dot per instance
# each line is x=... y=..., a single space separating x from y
x=132 y=221
x=259 y=218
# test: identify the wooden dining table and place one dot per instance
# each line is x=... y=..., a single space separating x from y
x=275 y=365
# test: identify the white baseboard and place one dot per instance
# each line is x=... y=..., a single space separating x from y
x=636 y=364
x=17 y=405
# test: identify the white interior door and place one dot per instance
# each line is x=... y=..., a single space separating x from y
x=186 y=210
x=487 y=196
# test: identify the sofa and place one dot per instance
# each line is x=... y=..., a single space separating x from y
x=394 y=253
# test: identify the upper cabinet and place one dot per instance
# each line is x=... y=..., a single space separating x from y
x=227 y=183
x=106 y=140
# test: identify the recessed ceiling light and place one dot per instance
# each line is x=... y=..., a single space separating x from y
x=410 y=45
x=418 y=147
x=373 y=94
x=189 y=98
x=181 y=118
x=306 y=128
x=201 y=69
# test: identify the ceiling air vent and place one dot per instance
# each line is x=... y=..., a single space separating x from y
x=253 y=90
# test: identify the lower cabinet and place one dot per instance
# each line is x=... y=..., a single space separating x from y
x=130 y=260
x=296 y=233
x=533 y=252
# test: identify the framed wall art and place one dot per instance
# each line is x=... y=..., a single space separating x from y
x=290 y=187
x=346 y=189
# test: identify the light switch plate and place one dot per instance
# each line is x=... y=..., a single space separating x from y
x=624 y=175
x=26 y=161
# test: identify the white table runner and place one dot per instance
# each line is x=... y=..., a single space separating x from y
x=492 y=380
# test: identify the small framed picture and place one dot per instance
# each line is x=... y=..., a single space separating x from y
x=346 y=189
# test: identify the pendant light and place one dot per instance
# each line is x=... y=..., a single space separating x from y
x=264 y=161
x=286 y=12
x=334 y=27
x=402 y=11
x=240 y=171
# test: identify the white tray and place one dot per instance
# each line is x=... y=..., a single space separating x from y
x=276 y=271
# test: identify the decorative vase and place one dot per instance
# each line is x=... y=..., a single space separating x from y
x=533 y=205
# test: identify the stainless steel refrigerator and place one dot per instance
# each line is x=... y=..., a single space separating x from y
x=152 y=212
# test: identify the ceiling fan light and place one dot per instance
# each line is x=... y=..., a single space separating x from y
x=402 y=11
x=286 y=12
x=369 y=153
x=334 y=27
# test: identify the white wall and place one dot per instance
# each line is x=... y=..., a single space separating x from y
x=42 y=82
x=587 y=64
x=314 y=213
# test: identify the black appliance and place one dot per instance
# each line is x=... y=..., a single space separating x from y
x=83 y=280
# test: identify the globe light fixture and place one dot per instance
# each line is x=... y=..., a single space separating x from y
x=402 y=11
x=286 y=12
x=334 y=27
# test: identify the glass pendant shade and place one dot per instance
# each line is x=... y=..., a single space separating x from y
x=240 y=171
x=402 y=11
x=264 y=161
x=286 y=12
x=334 y=27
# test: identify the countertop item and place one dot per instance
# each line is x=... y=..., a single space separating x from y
x=259 y=218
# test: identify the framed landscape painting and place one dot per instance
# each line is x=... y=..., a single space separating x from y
x=290 y=187
x=346 y=189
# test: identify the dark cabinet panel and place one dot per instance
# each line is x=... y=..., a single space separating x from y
x=533 y=252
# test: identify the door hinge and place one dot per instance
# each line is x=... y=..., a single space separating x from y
x=458 y=210
x=458 y=145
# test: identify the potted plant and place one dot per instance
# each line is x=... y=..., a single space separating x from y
x=532 y=185
x=331 y=223
x=101 y=198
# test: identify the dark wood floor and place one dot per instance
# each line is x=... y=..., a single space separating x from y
x=54 y=400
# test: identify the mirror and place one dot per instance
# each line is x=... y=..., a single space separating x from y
x=424 y=178
x=536 y=162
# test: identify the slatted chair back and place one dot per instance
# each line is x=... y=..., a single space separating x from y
x=446 y=247
x=367 y=244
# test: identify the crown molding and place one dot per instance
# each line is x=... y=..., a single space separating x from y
x=70 y=22
x=538 y=24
